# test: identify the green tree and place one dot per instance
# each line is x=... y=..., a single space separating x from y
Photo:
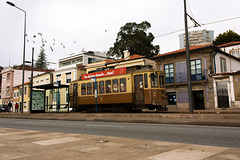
x=134 y=38
x=42 y=59
x=225 y=37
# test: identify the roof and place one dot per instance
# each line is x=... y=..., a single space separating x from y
x=229 y=44
x=193 y=48
x=134 y=56
x=24 y=84
x=50 y=86
x=26 y=67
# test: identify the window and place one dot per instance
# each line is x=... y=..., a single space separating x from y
x=83 y=88
x=123 y=85
x=67 y=97
x=4 y=77
x=68 y=77
x=145 y=80
x=94 y=87
x=58 y=78
x=8 y=77
x=154 y=80
x=8 y=91
x=89 y=88
x=108 y=86
x=140 y=81
x=3 y=91
x=196 y=70
x=161 y=81
x=101 y=87
x=169 y=73
x=25 y=90
x=171 y=97
x=20 y=91
x=115 y=85
x=47 y=81
x=223 y=65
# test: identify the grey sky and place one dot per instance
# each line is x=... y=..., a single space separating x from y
x=94 y=24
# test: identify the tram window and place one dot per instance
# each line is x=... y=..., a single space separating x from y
x=94 y=87
x=161 y=81
x=140 y=81
x=136 y=82
x=123 y=85
x=108 y=86
x=89 y=88
x=145 y=80
x=101 y=87
x=154 y=80
x=115 y=85
x=83 y=88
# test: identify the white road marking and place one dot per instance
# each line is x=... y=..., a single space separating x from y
x=57 y=141
x=111 y=126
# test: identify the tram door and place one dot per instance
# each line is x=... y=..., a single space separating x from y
x=138 y=88
x=75 y=95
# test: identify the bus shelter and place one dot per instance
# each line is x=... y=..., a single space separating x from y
x=48 y=98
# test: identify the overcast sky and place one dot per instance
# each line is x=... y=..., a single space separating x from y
x=69 y=26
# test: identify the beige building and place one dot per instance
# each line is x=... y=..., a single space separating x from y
x=17 y=96
x=205 y=60
x=127 y=61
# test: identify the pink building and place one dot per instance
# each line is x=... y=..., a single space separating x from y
x=12 y=76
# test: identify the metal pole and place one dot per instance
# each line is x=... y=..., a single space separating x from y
x=58 y=105
x=189 y=83
x=24 y=41
x=31 y=84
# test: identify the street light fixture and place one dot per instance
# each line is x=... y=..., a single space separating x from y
x=24 y=41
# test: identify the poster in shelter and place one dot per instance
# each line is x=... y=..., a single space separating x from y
x=37 y=100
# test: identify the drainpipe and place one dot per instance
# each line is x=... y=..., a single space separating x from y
x=214 y=54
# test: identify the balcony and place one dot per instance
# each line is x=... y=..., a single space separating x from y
x=181 y=78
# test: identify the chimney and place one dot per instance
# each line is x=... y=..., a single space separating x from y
x=126 y=54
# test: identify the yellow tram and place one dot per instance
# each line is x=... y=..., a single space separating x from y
x=120 y=90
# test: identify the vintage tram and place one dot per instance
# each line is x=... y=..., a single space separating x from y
x=119 y=90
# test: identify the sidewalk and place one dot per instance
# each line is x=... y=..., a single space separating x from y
x=216 y=118
x=16 y=144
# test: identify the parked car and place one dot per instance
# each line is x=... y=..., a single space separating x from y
x=3 y=108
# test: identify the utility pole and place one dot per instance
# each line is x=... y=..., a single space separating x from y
x=189 y=83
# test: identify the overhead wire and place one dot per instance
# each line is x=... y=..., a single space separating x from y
x=194 y=26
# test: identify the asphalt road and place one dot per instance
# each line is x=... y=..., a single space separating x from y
x=202 y=135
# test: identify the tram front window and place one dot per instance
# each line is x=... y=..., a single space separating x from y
x=154 y=80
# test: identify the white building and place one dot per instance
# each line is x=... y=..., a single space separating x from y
x=232 y=48
x=200 y=37
x=69 y=69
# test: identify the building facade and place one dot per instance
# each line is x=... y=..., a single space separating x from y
x=71 y=68
x=232 y=48
x=200 y=37
x=205 y=60
x=11 y=77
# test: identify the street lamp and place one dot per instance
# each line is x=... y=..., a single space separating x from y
x=13 y=5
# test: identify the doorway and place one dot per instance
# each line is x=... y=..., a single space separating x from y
x=138 y=88
x=222 y=94
x=198 y=100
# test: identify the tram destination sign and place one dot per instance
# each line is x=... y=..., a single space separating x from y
x=111 y=72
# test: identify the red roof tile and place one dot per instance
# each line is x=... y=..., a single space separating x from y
x=184 y=50
x=135 y=56
x=229 y=44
